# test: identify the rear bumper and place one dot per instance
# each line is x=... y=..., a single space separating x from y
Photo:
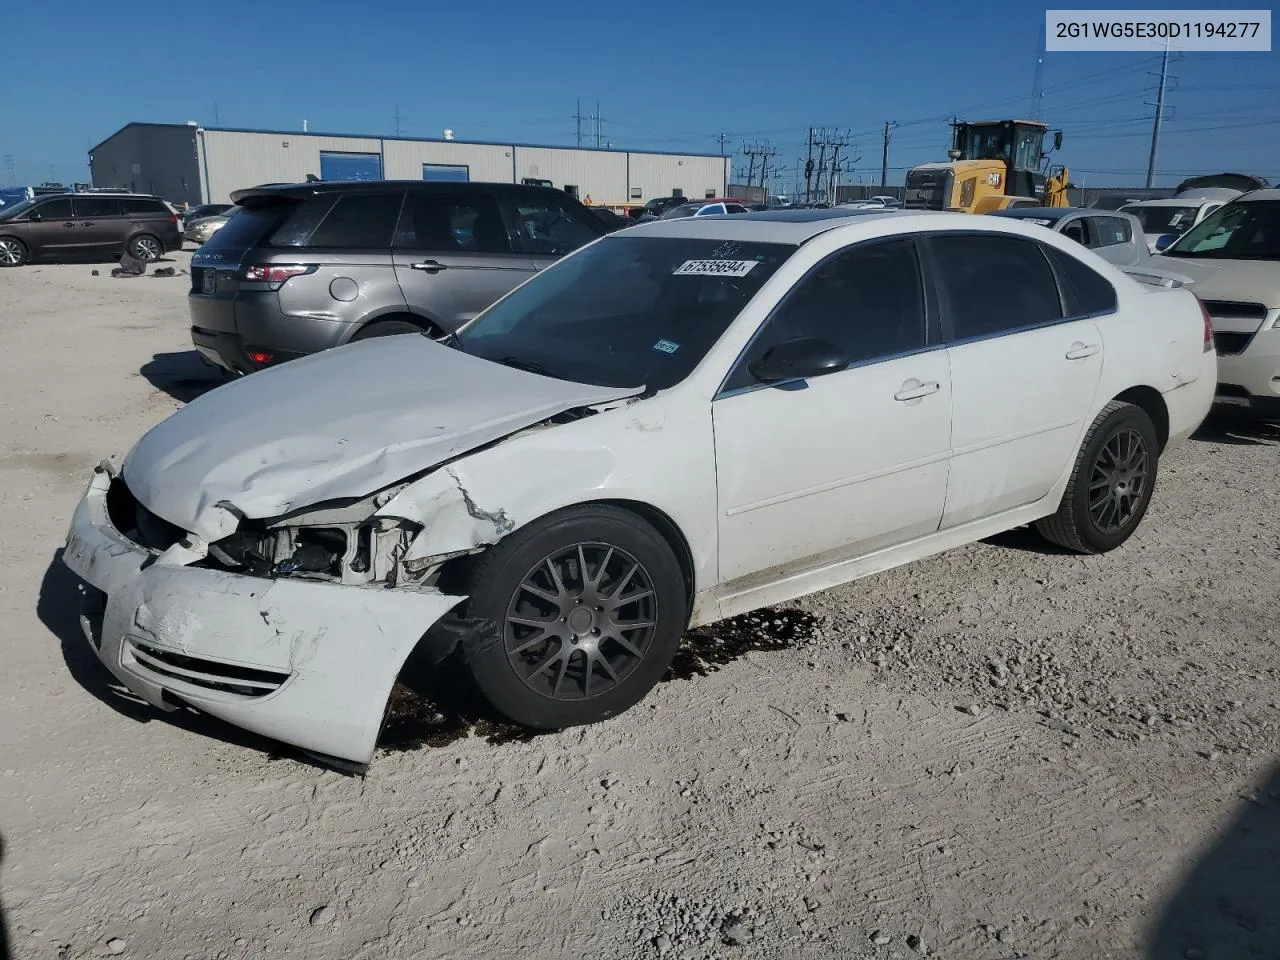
x=227 y=329
x=1189 y=403
x=304 y=662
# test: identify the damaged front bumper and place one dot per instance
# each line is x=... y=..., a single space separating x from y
x=306 y=662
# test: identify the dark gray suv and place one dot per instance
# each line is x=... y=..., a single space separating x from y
x=87 y=226
x=303 y=267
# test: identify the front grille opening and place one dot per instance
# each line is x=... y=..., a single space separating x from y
x=1236 y=310
x=1229 y=344
x=224 y=677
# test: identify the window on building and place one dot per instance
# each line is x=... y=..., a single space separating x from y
x=709 y=193
x=350 y=166
x=637 y=193
x=446 y=172
x=571 y=190
x=677 y=192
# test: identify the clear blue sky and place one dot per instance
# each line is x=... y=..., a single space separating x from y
x=668 y=76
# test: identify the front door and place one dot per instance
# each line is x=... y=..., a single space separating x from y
x=820 y=470
x=56 y=232
x=1023 y=374
x=453 y=255
x=550 y=226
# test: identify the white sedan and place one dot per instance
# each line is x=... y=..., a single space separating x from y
x=678 y=423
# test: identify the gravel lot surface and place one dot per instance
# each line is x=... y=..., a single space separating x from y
x=1005 y=751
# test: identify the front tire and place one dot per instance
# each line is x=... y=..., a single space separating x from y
x=588 y=605
x=145 y=248
x=13 y=252
x=1110 y=486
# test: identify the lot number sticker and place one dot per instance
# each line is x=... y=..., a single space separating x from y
x=714 y=268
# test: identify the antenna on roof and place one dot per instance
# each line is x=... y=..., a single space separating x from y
x=304 y=126
x=448 y=133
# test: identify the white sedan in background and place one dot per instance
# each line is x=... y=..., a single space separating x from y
x=680 y=422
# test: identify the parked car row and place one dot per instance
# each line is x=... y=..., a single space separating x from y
x=500 y=489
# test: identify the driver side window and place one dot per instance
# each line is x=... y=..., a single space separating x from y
x=867 y=300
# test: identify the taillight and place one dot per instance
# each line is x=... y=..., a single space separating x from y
x=260 y=357
x=1208 y=326
x=173 y=219
x=276 y=273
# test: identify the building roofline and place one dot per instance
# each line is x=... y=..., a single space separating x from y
x=369 y=136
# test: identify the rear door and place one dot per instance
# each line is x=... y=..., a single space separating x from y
x=101 y=224
x=550 y=225
x=55 y=231
x=1024 y=371
x=454 y=255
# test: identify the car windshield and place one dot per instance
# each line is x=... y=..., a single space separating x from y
x=15 y=209
x=1164 y=219
x=626 y=311
x=1239 y=231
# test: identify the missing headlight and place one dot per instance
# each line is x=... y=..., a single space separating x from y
x=315 y=551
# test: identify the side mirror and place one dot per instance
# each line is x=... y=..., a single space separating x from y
x=799 y=359
x=34 y=215
x=1057 y=140
x=1165 y=241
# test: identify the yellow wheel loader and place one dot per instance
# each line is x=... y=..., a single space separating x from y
x=993 y=165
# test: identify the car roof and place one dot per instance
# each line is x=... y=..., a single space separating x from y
x=303 y=190
x=1183 y=201
x=1048 y=213
x=772 y=226
x=1272 y=193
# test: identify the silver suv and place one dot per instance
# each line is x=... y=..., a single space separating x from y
x=303 y=267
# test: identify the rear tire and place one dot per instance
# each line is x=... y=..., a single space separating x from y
x=1111 y=483
x=13 y=252
x=588 y=604
x=146 y=248
x=390 y=328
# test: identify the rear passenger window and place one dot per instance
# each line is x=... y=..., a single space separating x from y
x=868 y=301
x=552 y=227
x=359 y=221
x=88 y=207
x=1085 y=290
x=1108 y=231
x=994 y=284
x=469 y=222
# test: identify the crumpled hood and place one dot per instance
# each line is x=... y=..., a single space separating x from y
x=340 y=423
x=1250 y=281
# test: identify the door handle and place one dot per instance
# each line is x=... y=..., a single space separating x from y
x=86 y=223
x=68 y=224
x=430 y=266
x=1080 y=350
x=914 y=390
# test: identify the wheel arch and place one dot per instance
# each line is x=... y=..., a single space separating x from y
x=1150 y=401
x=395 y=313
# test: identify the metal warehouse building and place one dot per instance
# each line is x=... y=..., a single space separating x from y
x=185 y=163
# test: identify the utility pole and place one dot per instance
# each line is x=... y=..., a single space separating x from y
x=396 y=118
x=822 y=153
x=8 y=167
x=577 y=115
x=599 y=121
x=884 y=157
x=1155 y=127
x=808 y=167
x=1037 y=82
x=217 y=120
x=750 y=152
x=723 y=138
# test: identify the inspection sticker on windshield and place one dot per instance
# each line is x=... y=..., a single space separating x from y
x=666 y=346
x=714 y=268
